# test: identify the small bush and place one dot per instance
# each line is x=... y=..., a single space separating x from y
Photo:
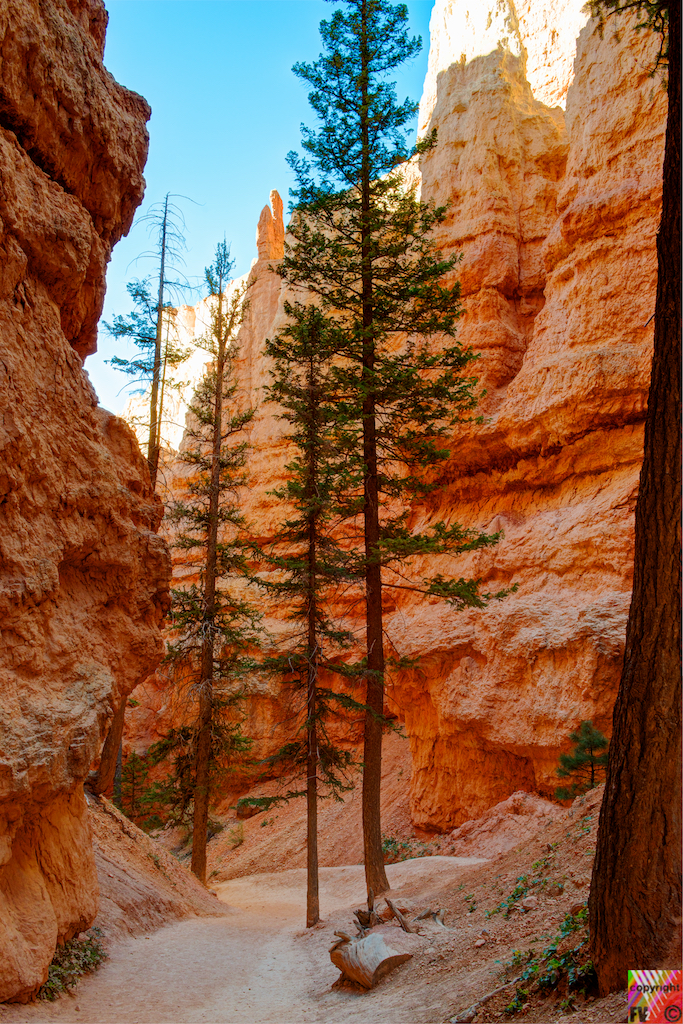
x=236 y=835
x=70 y=962
x=396 y=850
x=587 y=763
x=544 y=970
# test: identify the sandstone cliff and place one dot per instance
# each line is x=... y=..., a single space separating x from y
x=84 y=577
x=555 y=212
x=556 y=218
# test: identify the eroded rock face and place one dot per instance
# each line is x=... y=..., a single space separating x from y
x=559 y=276
x=555 y=214
x=84 y=576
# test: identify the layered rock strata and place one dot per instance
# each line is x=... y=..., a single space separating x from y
x=84 y=576
x=557 y=228
x=555 y=214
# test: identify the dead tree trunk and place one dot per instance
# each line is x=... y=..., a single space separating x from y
x=365 y=960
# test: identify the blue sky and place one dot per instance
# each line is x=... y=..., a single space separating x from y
x=226 y=110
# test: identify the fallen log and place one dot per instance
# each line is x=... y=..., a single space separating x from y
x=365 y=960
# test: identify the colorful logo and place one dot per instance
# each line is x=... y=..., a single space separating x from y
x=655 y=997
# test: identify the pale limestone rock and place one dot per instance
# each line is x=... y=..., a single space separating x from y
x=542 y=33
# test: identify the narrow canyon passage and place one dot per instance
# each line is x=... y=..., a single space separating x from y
x=258 y=964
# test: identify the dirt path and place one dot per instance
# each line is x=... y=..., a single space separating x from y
x=257 y=965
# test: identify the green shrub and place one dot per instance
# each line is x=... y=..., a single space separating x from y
x=395 y=850
x=70 y=962
x=587 y=763
x=236 y=835
x=544 y=970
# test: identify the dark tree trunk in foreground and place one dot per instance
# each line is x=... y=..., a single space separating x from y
x=200 y=820
x=375 y=875
x=635 y=900
x=103 y=779
x=312 y=896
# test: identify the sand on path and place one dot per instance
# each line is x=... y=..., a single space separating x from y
x=256 y=965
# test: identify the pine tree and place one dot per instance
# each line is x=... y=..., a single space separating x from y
x=361 y=242
x=308 y=566
x=215 y=626
x=158 y=353
x=133 y=778
x=149 y=325
x=586 y=764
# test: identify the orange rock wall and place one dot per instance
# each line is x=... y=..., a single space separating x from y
x=84 y=576
x=557 y=227
x=555 y=213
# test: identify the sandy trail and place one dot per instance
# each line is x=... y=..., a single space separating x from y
x=257 y=965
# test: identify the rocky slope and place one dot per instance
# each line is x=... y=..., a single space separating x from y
x=555 y=212
x=84 y=577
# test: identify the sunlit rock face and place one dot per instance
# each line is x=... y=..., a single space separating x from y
x=84 y=576
x=542 y=33
x=555 y=213
x=556 y=217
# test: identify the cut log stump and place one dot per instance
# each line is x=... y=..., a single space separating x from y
x=365 y=960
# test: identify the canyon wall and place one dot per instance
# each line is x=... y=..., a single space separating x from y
x=556 y=216
x=555 y=212
x=84 y=578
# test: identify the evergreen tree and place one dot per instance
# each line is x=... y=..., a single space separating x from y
x=133 y=778
x=361 y=242
x=309 y=565
x=586 y=764
x=214 y=626
x=154 y=333
x=149 y=325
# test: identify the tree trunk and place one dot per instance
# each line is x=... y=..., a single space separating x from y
x=375 y=875
x=635 y=899
x=365 y=960
x=312 y=895
x=118 y=777
x=205 y=723
x=103 y=780
x=200 y=818
x=154 y=410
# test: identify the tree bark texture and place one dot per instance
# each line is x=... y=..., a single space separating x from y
x=312 y=896
x=375 y=875
x=103 y=780
x=366 y=960
x=205 y=724
x=635 y=899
